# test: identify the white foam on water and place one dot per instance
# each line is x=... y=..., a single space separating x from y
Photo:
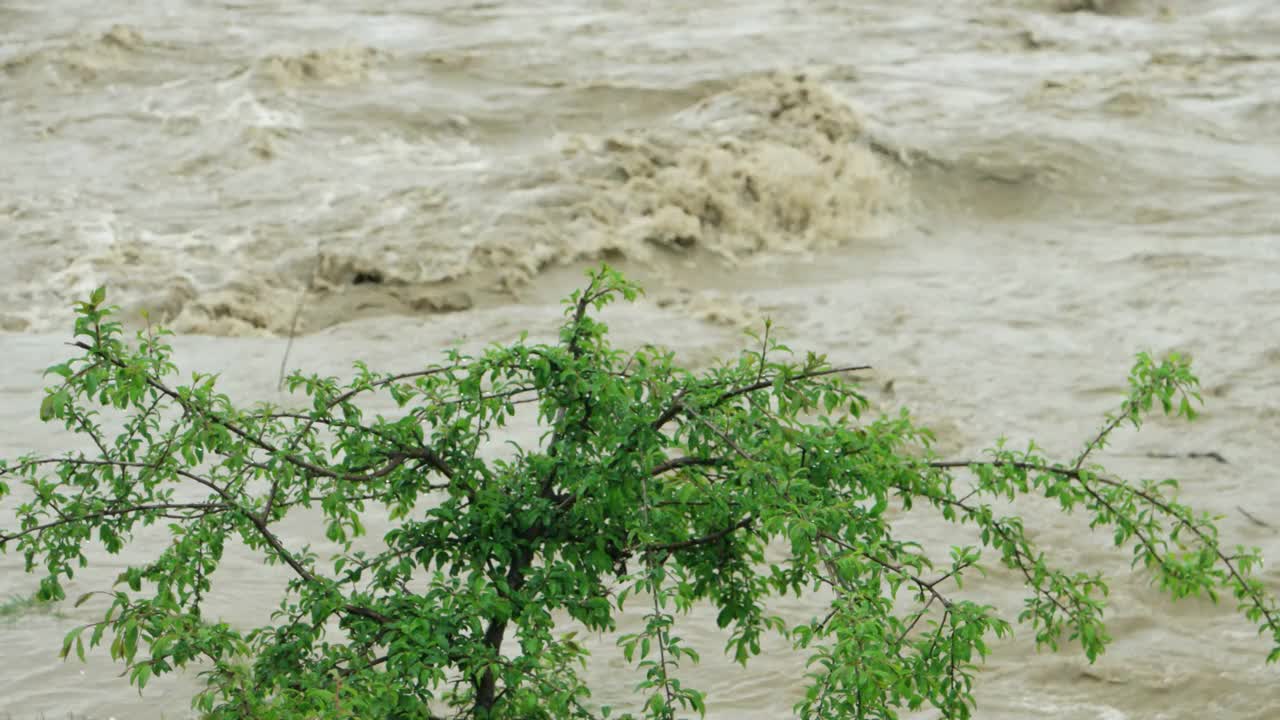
x=994 y=204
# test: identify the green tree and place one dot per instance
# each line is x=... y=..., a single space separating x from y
x=650 y=481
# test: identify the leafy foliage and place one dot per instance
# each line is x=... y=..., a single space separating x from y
x=650 y=483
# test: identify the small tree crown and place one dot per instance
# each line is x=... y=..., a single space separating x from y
x=651 y=485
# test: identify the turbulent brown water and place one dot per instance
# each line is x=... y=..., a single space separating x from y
x=994 y=203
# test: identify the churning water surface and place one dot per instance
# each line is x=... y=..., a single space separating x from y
x=994 y=203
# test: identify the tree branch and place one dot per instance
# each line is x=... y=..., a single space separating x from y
x=703 y=540
x=768 y=382
x=235 y=429
x=208 y=508
x=677 y=402
x=684 y=462
x=1272 y=620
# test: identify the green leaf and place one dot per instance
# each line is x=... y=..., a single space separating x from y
x=47 y=409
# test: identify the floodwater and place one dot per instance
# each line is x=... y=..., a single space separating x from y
x=994 y=203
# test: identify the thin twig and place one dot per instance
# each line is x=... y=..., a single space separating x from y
x=768 y=382
x=208 y=508
x=1210 y=455
x=657 y=609
x=1254 y=519
x=297 y=313
x=702 y=540
x=1098 y=439
x=684 y=462
x=1273 y=620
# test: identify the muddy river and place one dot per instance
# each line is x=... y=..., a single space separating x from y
x=994 y=203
